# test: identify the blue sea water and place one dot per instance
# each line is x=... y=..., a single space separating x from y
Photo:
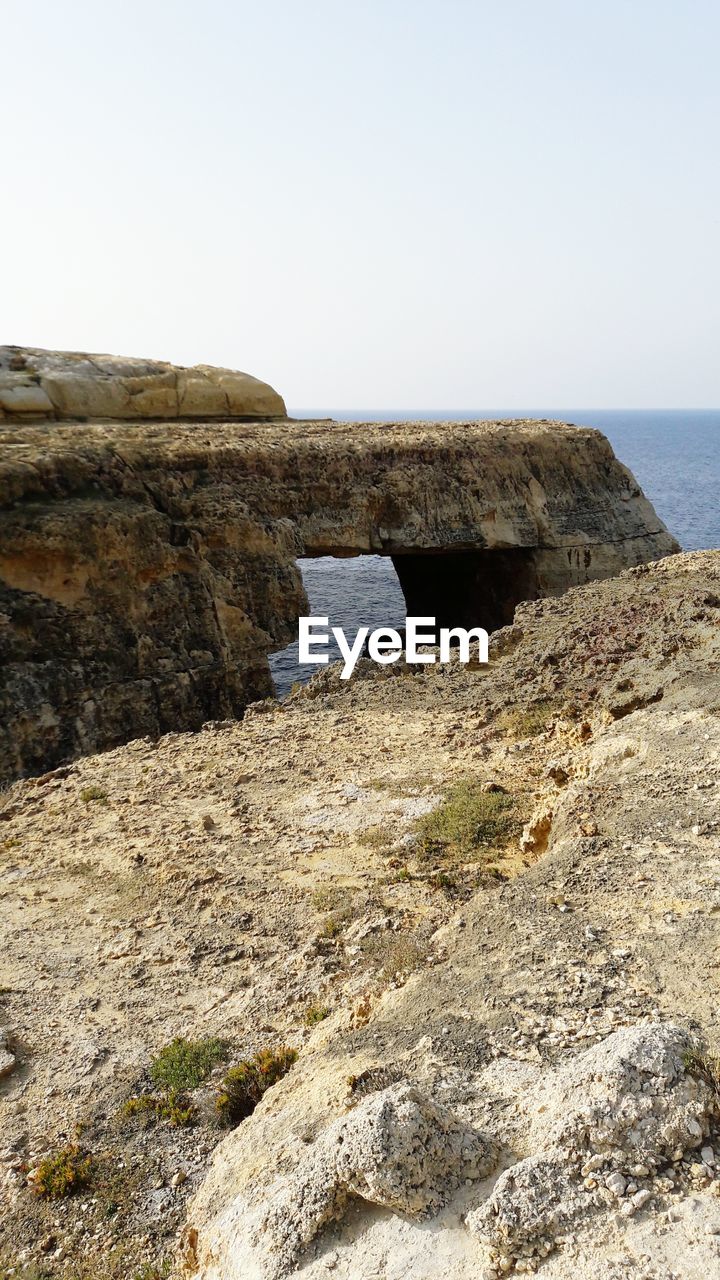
x=673 y=453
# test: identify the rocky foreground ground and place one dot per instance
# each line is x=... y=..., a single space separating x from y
x=507 y=1035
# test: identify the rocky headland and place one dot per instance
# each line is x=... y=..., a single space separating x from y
x=409 y=976
x=148 y=567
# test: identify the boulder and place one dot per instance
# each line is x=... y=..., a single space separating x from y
x=72 y=385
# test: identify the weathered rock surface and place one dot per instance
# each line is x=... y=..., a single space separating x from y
x=396 y=1149
x=230 y=882
x=73 y=386
x=147 y=569
x=7 y=1059
x=629 y=1101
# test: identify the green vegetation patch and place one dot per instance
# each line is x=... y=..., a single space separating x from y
x=93 y=793
x=333 y=925
x=328 y=896
x=702 y=1064
x=399 y=957
x=173 y=1107
x=315 y=1013
x=186 y=1064
x=469 y=821
x=374 y=837
x=153 y=1271
x=63 y=1173
x=527 y=722
x=245 y=1084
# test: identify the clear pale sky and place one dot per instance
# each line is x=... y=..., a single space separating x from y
x=395 y=203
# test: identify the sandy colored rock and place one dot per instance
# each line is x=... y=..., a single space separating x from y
x=73 y=385
x=7 y=1059
x=147 y=569
x=396 y=1149
x=127 y=921
x=627 y=1101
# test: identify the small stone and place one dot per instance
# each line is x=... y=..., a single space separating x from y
x=641 y=1198
x=616 y=1183
x=7 y=1063
x=708 y=1155
x=178 y=1178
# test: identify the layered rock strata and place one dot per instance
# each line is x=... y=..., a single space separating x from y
x=147 y=569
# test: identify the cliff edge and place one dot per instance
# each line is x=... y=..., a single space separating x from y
x=147 y=568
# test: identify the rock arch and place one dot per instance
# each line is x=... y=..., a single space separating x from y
x=148 y=568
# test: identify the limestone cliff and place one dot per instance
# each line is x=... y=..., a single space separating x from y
x=147 y=568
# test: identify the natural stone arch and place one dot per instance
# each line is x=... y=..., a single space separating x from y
x=147 y=569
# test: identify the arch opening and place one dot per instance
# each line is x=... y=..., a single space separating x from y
x=457 y=588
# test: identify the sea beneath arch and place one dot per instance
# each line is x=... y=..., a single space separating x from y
x=673 y=453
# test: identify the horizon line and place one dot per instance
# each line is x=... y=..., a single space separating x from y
x=517 y=409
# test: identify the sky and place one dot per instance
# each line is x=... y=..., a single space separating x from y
x=388 y=203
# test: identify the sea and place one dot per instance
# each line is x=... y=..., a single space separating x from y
x=673 y=453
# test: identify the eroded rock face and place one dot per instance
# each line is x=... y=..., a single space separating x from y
x=616 y=1111
x=72 y=385
x=184 y=887
x=147 y=569
x=626 y=1103
x=397 y=1149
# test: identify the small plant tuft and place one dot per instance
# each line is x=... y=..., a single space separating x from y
x=316 y=1013
x=374 y=837
x=174 y=1107
x=328 y=897
x=63 y=1173
x=527 y=722
x=151 y=1271
x=186 y=1064
x=94 y=793
x=400 y=957
x=400 y=876
x=469 y=821
x=443 y=880
x=704 y=1066
x=245 y=1084
x=332 y=925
